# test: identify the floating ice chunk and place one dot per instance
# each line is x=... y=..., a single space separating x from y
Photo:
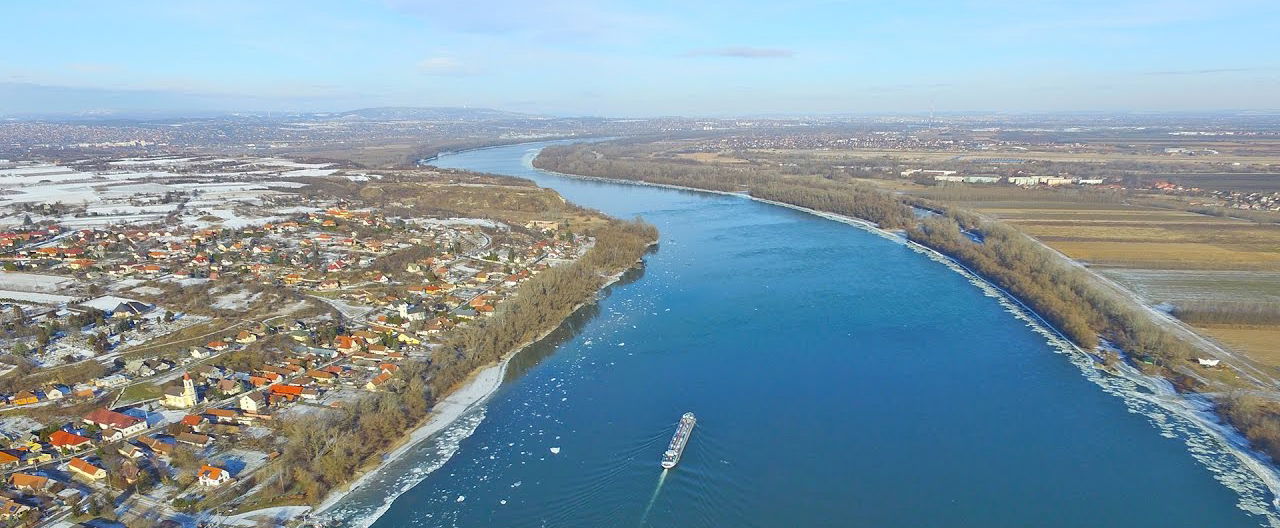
x=517 y=484
x=461 y=498
x=555 y=450
x=503 y=501
x=622 y=344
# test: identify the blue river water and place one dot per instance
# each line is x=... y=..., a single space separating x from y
x=839 y=377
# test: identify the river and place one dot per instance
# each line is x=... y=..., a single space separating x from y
x=840 y=378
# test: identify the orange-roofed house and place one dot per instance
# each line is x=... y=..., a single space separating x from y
x=345 y=344
x=8 y=459
x=29 y=483
x=289 y=392
x=65 y=441
x=213 y=476
x=82 y=467
x=377 y=381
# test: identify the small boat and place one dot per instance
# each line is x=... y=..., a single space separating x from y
x=676 y=448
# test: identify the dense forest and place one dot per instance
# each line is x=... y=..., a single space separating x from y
x=1085 y=311
x=319 y=457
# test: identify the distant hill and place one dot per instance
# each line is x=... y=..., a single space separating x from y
x=432 y=113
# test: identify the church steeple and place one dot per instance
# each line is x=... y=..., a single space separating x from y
x=188 y=390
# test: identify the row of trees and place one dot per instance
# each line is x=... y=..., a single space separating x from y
x=827 y=193
x=1064 y=295
x=1228 y=313
x=321 y=454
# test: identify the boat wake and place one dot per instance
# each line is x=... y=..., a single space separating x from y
x=654 y=498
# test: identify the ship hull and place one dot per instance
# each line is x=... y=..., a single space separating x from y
x=678 y=441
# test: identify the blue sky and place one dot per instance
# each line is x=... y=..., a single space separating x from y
x=643 y=58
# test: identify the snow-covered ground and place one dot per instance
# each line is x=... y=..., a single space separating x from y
x=34 y=282
x=348 y=310
x=310 y=173
x=37 y=298
x=107 y=303
x=17 y=424
x=239 y=300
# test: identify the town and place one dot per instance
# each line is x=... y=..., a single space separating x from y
x=164 y=315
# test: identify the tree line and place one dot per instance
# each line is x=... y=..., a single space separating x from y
x=1064 y=295
x=826 y=193
x=1228 y=313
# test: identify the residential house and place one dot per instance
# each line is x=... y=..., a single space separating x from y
x=377 y=381
x=193 y=439
x=108 y=419
x=11 y=509
x=65 y=441
x=29 y=483
x=253 y=402
x=83 y=468
x=213 y=476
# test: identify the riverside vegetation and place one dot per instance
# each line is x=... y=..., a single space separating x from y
x=322 y=452
x=1082 y=309
x=321 y=457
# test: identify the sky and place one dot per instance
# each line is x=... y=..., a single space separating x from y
x=641 y=58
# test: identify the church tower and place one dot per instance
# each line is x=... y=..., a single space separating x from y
x=188 y=390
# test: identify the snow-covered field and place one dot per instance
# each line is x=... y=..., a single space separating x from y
x=42 y=173
x=1174 y=286
x=37 y=298
x=481 y=222
x=310 y=173
x=34 y=282
x=239 y=300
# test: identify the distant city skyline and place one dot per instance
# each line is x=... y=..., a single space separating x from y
x=640 y=59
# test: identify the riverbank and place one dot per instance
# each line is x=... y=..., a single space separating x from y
x=1135 y=387
x=480 y=386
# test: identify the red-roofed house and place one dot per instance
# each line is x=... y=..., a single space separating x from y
x=64 y=441
x=108 y=419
